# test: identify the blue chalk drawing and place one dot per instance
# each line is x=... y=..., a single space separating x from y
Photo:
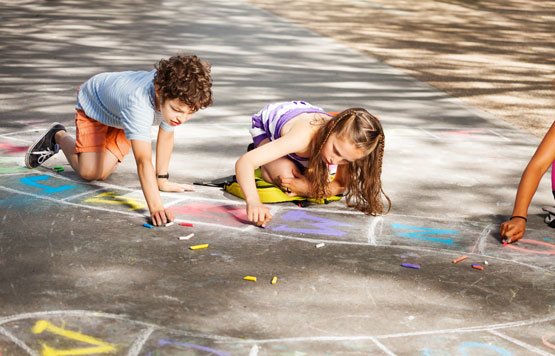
x=164 y=342
x=424 y=233
x=322 y=226
x=33 y=182
x=465 y=346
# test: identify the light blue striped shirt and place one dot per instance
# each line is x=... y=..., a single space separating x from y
x=122 y=99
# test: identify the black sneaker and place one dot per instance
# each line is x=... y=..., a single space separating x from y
x=44 y=147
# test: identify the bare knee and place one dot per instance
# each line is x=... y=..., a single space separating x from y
x=89 y=175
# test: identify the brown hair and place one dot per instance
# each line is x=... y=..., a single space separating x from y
x=186 y=78
x=364 y=187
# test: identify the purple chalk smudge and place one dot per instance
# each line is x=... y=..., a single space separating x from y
x=410 y=265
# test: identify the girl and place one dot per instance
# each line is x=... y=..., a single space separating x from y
x=296 y=144
x=513 y=229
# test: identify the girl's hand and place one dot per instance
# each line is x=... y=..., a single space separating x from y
x=296 y=185
x=512 y=230
x=259 y=214
x=166 y=186
x=161 y=217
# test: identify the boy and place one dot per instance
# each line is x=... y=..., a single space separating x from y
x=115 y=111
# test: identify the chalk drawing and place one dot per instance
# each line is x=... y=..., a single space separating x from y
x=550 y=248
x=12 y=149
x=113 y=198
x=319 y=225
x=34 y=182
x=233 y=215
x=165 y=342
x=424 y=233
x=100 y=347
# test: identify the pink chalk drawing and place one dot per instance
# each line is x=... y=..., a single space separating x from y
x=231 y=215
x=549 y=251
x=12 y=149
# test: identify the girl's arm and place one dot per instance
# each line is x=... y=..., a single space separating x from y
x=294 y=141
x=339 y=183
x=513 y=230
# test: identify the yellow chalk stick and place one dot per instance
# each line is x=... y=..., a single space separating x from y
x=250 y=278
x=198 y=247
x=274 y=280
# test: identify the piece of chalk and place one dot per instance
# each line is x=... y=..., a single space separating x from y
x=505 y=243
x=250 y=278
x=59 y=168
x=477 y=266
x=486 y=263
x=410 y=265
x=274 y=280
x=186 y=237
x=198 y=247
x=169 y=224
x=148 y=225
x=185 y=224
x=320 y=245
x=459 y=259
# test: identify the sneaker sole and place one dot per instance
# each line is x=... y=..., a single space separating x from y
x=32 y=147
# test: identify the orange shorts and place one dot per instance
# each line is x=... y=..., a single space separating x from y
x=93 y=136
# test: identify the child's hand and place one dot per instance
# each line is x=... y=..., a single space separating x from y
x=512 y=230
x=167 y=186
x=161 y=217
x=296 y=185
x=259 y=214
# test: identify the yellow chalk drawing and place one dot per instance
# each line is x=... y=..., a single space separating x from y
x=112 y=198
x=100 y=347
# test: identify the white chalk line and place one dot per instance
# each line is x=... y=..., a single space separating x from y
x=402 y=335
x=139 y=342
x=18 y=342
x=480 y=242
x=382 y=347
x=372 y=230
x=520 y=343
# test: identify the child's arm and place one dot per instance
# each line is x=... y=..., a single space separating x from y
x=246 y=164
x=513 y=229
x=164 y=149
x=299 y=184
x=143 y=157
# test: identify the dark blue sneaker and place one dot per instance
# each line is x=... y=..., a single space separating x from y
x=44 y=147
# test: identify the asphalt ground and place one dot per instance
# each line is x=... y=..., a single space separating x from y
x=80 y=274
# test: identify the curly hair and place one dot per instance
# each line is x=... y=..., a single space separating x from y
x=184 y=77
x=364 y=187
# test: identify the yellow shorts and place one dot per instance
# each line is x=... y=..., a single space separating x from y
x=93 y=136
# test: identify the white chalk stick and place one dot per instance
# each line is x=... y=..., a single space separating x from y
x=169 y=224
x=320 y=245
x=186 y=237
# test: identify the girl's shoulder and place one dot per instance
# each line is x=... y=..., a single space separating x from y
x=307 y=123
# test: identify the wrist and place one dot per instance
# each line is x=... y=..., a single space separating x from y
x=519 y=217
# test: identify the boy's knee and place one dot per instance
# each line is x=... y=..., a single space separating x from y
x=89 y=175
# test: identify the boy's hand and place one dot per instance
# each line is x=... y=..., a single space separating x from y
x=259 y=214
x=512 y=230
x=296 y=185
x=161 y=217
x=167 y=186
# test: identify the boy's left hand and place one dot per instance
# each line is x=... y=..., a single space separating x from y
x=167 y=186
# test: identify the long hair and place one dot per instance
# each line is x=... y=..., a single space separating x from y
x=364 y=189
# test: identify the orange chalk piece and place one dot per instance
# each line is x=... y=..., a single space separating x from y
x=198 y=247
x=477 y=266
x=459 y=259
x=274 y=280
x=250 y=278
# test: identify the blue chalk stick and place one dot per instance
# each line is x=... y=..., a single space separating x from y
x=410 y=265
x=148 y=225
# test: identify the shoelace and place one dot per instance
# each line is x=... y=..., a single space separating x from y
x=44 y=155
